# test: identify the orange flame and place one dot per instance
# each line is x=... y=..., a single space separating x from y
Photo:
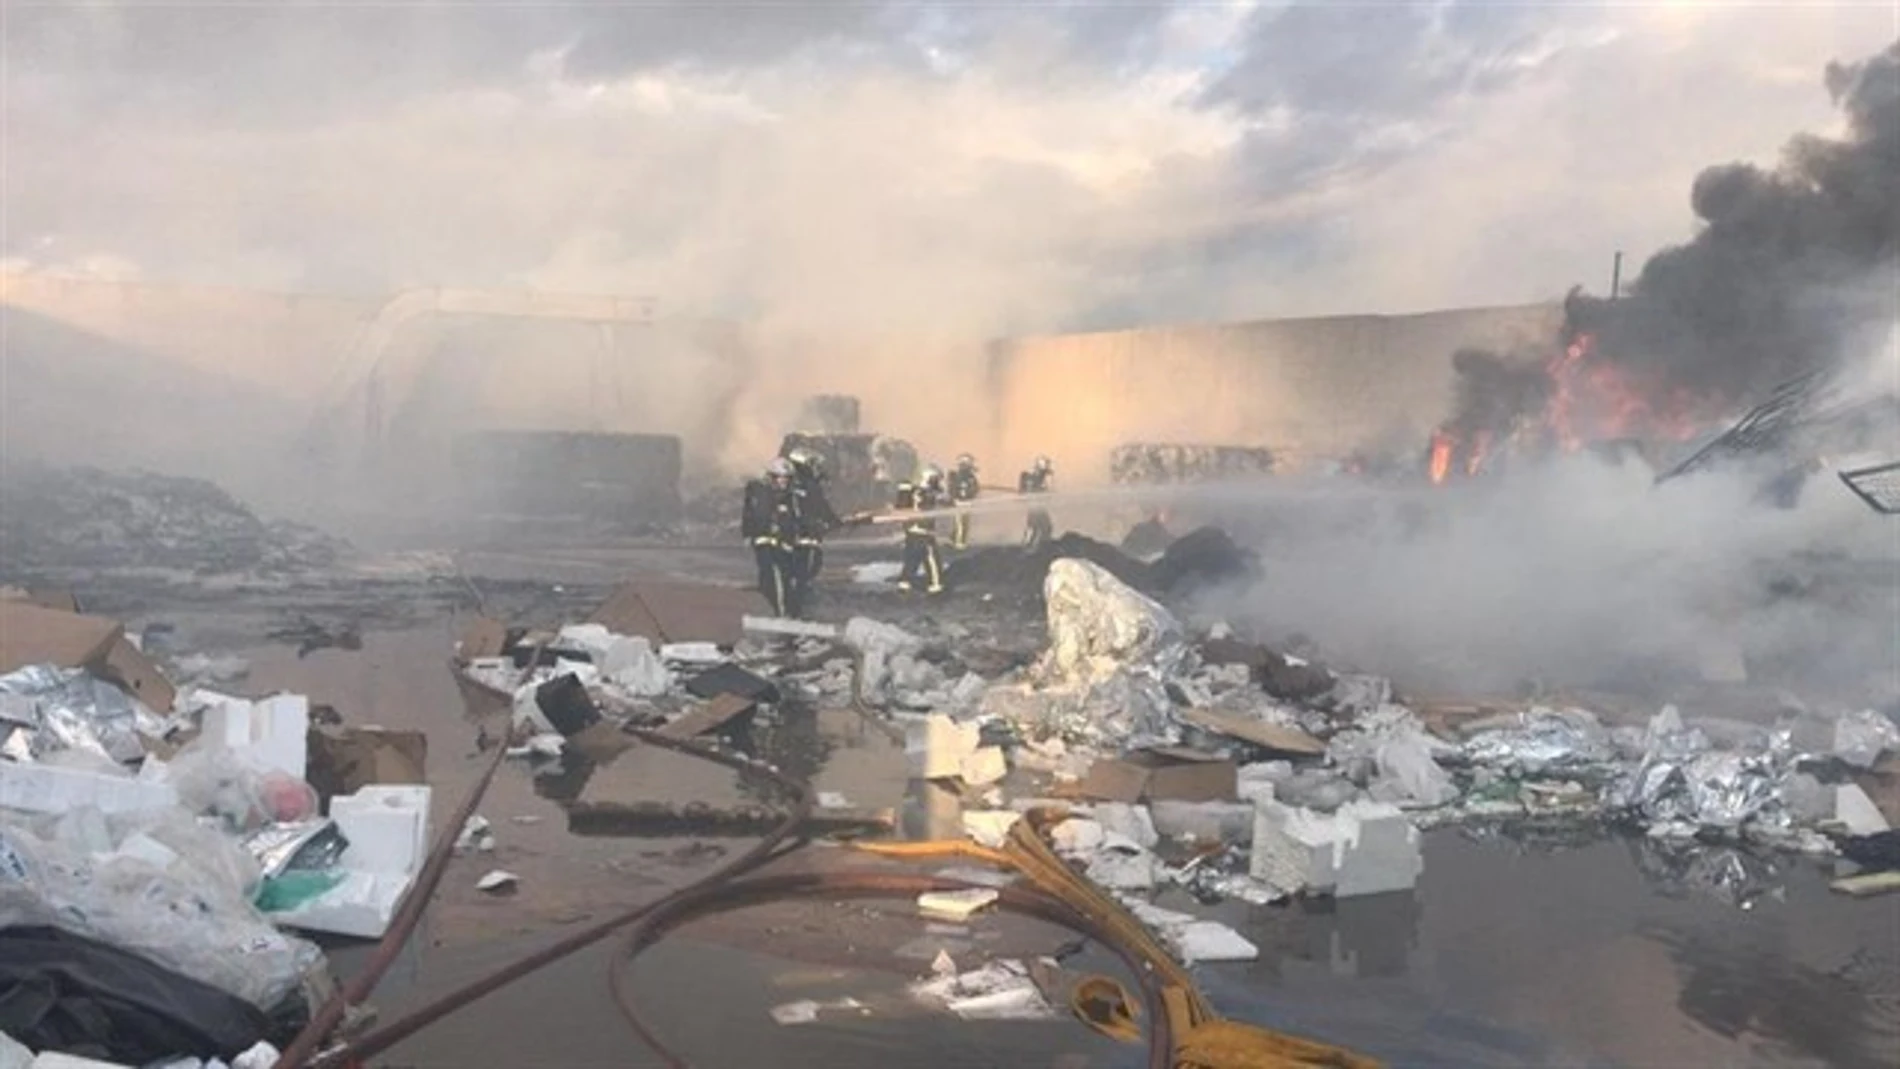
x=1593 y=401
x=1442 y=443
x=1480 y=451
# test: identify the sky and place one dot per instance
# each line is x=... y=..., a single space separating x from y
x=953 y=170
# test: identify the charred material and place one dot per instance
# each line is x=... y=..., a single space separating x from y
x=1202 y=558
x=53 y=519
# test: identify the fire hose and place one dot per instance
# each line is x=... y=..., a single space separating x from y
x=1186 y=1032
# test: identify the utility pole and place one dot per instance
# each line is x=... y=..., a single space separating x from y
x=1616 y=276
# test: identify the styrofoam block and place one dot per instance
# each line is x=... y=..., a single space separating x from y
x=13 y=1053
x=1201 y=941
x=989 y=827
x=1383 y=857
x=362 y=905
x=592 y=638
x=691 y=653
x=984 y=766
x=56 y=1060
x=283 y=732
x=1366 y=848
x=1858 y=812
x=387 y=827
x=937 y=747
x=39 y=788
x=273 y=731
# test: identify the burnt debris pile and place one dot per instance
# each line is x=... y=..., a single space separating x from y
x=63 y=518
x=1204 y=557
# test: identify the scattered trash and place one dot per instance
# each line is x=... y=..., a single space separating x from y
x=475 y=835
x=955 y=905
x=808 y=1011
x=497 y=881
x=1000 y=990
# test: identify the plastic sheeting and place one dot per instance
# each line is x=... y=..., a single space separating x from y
x=66 y=993
x=151 y=890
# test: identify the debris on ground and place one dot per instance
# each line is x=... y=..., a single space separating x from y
x=64 y=520
x=497 y=881
x=1001 y=990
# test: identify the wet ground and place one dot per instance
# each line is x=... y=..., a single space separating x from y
x=1502 y=957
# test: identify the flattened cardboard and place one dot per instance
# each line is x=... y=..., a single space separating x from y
x=134 y=673
x=483 y=637
x=30 y=634
x=344 y=760
x=1166 y=772
x=708 y=717
x=666 y=611
x=1882 y=784
x=1272 y=737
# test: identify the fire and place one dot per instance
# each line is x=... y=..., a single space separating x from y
x=1594 y=401
x=1442 y=444
x=1480 y=449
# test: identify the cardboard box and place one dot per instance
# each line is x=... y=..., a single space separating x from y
x=1174 y=772
x=667 y=611
x=483 y=637
x=1274 y=738
x=32 y=633
x=344 y=760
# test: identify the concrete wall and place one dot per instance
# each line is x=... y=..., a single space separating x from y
x=1300 y=386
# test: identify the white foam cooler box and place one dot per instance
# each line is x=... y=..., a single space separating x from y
x=388 y=832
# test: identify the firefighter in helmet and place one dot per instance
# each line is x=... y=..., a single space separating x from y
x=771 y=523
x=815 y=519
x=1039 y=479
x=963 y=486
x=922 y=565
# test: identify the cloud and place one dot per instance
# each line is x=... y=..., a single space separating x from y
x=897 y=166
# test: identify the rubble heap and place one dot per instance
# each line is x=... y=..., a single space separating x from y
x=67 y=518
x=160 y=844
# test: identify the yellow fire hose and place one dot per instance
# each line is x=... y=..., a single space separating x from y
x=1202 y=1039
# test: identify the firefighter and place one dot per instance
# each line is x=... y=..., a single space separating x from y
x=921 y=563
x=815 y=516
x=1039 y=479
x=771 y=523
x=963 y=486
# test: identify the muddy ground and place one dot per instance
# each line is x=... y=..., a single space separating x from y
x=1509 y=953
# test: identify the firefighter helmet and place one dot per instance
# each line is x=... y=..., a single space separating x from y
x=807 y=460
x=966 y=462
x=1043 y=465
x=779 y=468
x=932 y=475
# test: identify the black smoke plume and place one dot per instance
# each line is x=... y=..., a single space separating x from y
x=1794 y=270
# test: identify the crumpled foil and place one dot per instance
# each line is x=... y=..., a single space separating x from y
x=69 y=709
x=303 y=847
x=1861 y=737
x=1726 y=874
x=1681 y=781
x=1544 y=741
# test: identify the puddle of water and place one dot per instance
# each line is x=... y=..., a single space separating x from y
x=1501 y=958
x=1573 y=958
